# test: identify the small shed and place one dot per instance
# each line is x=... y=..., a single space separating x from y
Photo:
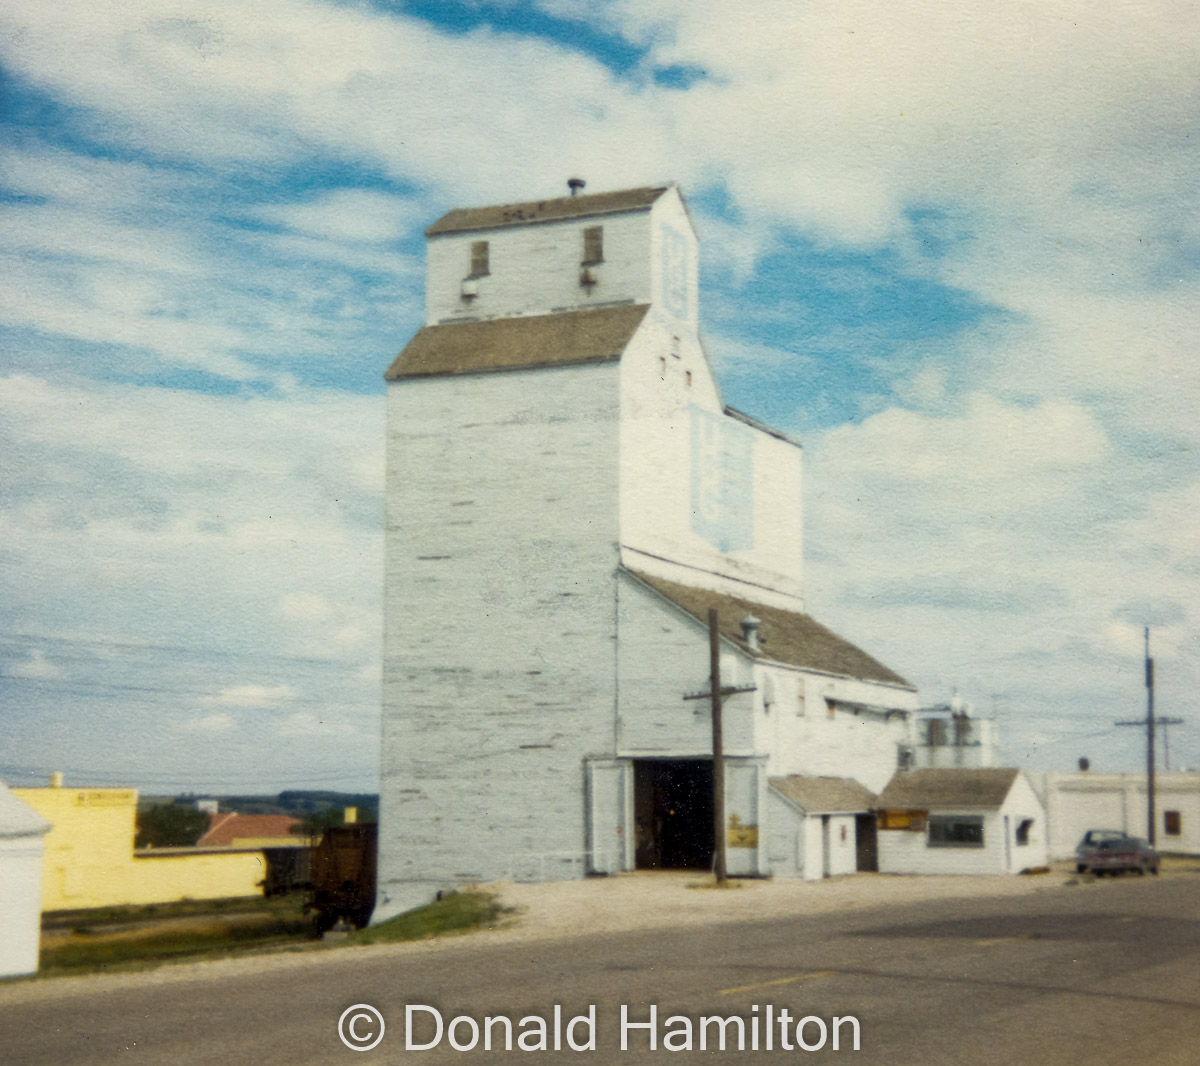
x=21 y=854
x=985 y=821
x=819 y=827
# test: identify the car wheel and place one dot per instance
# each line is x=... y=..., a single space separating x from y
x=1080 y=868
x=1154 y=870
x=1141 y=871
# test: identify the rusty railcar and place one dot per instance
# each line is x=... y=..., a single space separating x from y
x=343 y=876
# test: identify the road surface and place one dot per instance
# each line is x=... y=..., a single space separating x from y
x=1103 y=973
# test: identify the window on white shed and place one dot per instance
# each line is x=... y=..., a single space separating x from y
x=956 y=831
x=1023 y=828
x=593 y=245
x=479 y=259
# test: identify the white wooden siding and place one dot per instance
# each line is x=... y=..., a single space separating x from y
x=499 y=659
x=20 y=904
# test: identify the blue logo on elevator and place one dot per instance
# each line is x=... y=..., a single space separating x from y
x=722 y=481
x=675 y=272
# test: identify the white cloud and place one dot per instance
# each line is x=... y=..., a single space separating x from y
x=1021 y=498
x=256 y=695
x=304 y=607
x=348 y=215
x=211 y=724
x=991 y=439
x=169 y=524
x=36 y=667
x=307 y=724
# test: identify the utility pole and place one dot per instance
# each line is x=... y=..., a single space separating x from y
x=1149 y=722
x=718 y=744
x=714 y=695
x=1151 y=820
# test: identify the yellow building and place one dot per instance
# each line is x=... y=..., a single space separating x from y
x=90 y=860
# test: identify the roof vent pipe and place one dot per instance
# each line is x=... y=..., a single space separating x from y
x=575 y=184
x=750 y=626
x=56 y=779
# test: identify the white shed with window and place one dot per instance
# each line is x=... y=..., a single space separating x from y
x=988 y=821
x=21 y=854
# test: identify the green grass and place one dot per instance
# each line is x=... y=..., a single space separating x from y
x=221 y=929
x=94 y=917
x=455 y=912
x=96 y=945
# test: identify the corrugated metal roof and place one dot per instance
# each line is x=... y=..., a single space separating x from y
x=17 y=818
x=786 y=636
x=930 y=789
x=825 y=795
x=594 y=335
x=463 y=219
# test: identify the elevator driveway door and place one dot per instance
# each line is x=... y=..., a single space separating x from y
x=673 y=812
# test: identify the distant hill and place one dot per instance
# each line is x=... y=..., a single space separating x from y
x=297 y=802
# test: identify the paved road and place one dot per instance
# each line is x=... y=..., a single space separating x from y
x=1103 y=973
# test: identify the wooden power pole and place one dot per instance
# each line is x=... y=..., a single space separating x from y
x=1149 y=723
x=718 y=745
x=714 y=695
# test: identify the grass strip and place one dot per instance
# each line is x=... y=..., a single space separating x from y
x=455 y=912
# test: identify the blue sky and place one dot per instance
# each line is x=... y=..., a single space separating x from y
x=954 y=251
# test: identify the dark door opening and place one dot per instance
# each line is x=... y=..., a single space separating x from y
x=673 y=810
x=866 y=843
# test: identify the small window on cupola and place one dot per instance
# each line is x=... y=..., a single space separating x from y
x=593 y=245
x=479 y=259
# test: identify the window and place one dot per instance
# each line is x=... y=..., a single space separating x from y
x=689 y=379
x=956 y=831
x=1023 y=828
x=1172 y=823
x=479 y=259
x=593 y=245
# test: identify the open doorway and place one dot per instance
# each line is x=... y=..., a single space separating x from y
x=866 y=843
x=673 y=811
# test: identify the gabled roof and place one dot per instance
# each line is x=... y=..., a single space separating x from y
x=929 y=789
x=463 y=219
x=17 y=818
x=790 y=637
x=825 y=795
x=224 y=829
x=566 y=338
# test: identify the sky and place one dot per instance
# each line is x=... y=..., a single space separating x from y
x=954 y=249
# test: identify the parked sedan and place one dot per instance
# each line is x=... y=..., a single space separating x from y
x=1107 y=851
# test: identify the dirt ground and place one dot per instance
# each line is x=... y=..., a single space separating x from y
x=646 y=899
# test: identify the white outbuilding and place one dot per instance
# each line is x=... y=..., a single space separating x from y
x=820 y=827
x=22 y=831
x=1077 y=802
x=987 y=821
